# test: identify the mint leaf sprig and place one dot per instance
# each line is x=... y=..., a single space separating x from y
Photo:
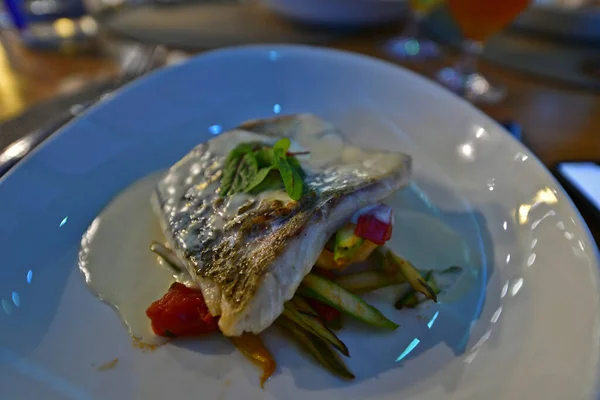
x=255 y=167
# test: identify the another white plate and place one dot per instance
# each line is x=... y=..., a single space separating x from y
x=526 y=329
x=340 y=12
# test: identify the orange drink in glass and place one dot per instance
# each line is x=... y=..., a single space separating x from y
x=478 y=20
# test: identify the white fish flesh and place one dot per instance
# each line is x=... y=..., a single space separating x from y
x=249 y=253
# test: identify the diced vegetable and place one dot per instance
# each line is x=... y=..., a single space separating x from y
x=346 y=244
x=253 y=348
x=367 y=281
x=369 y=227
x=336 y=296
x=332 y=318
x=363 y=252
x=412 y=275
x=315 y=326
x=326 y=260
x=318 y=348
x=168 y=256
x=325 y=312
x=336 y=324
x=181 y=312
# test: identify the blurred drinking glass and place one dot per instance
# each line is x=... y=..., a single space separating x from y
x=478 y=20
x=411 y=45
x=52 y=24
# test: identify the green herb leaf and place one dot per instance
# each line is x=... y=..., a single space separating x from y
x=258 y=178
x=283 y=144
x=240 y=168
x=294 y=163
x=264 y=156
x=255 y=167
x=271 y=182
x=292 y=180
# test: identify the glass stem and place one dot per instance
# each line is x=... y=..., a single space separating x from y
x=412 y=29
x=471 y=51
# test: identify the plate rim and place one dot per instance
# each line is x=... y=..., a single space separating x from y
x=539 y=167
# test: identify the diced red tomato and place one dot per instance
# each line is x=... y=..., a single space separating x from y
x=370 y=228
x=181 y=312
x=325 y=311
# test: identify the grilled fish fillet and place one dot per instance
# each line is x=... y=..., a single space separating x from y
x=249 y=253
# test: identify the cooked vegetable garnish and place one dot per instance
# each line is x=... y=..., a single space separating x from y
x=326 y=260
x=411 y=299
x=408 y=300
x=324 y=311
x=376 y=224
x=336 y=296
x=367 y=281
x=412 y=275
x=318 y=348
x=303 y=306
x=452 y=270
x=315 y=326
x=430 y=279
x=254 y=167
x=346 y=244
x=340 y=257
x=381 y=262
x=168 y=255
x=253 y=348
x=181 y=312
x=337 y=323
x=364 y=251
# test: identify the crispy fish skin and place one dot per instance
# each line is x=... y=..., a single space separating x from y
x=249 y=253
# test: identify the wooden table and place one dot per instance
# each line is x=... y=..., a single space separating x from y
x=559 y=123
x=28 y=77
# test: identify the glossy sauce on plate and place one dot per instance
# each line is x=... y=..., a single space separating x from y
x=117 y=263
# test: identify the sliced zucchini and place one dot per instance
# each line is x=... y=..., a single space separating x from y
x=381 y=262
x=412 y=275
x=326 y=260
x=430 y=279
x=411 y=299
x=363 y=252
x=302 y=306
x=408 y=300
x=346 y=244
x=335 y=324
x=316 y=327
x=336 y=296
x=367 y=281
x=452 y=270
x=318 y=348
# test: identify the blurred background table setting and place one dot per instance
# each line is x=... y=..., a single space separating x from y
x=533 y=66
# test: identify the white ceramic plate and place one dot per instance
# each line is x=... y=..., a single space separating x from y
x=526 y=329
